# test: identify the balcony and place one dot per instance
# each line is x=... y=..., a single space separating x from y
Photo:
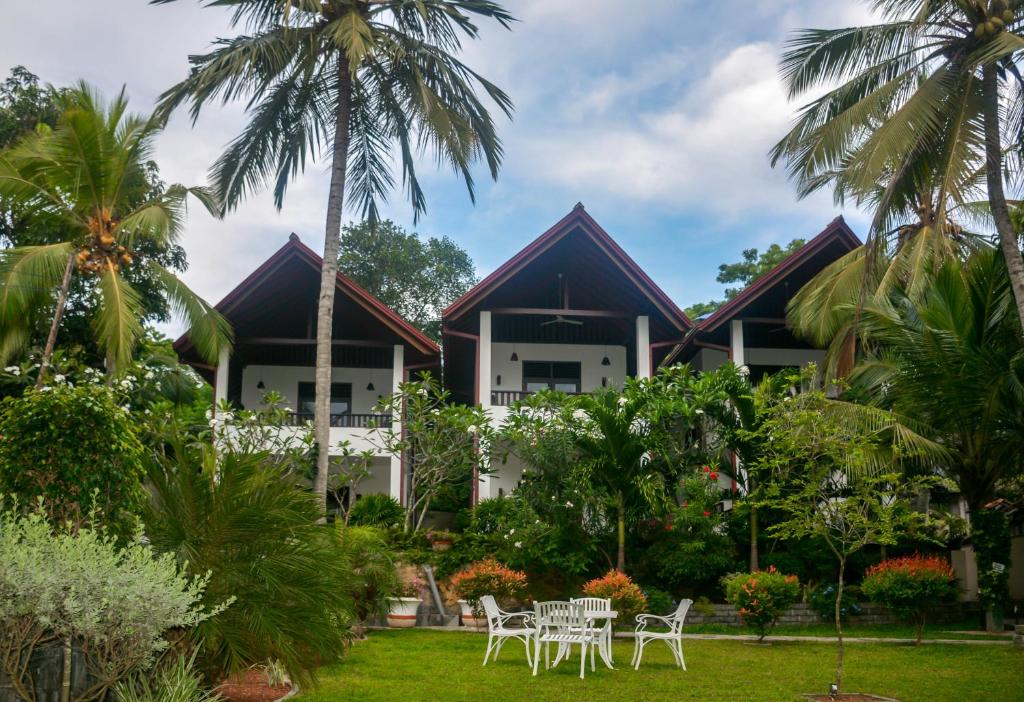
x=507 y=398
x=342 y=421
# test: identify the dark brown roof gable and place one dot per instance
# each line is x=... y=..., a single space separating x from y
x=576 y=220
x=295 y=249
x=837 y=230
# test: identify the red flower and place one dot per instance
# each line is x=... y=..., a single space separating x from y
x=707 y=469
x=714 y=475
x=707 y=514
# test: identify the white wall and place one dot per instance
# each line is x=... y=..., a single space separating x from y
x=591 y=370
x=286 y=379
x=709 y=359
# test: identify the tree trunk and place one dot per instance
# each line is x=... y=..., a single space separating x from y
x=51 y=339
x=839 y=627
x=996 y=197
x=328 y=281
x=754 y=556
x=620 y=504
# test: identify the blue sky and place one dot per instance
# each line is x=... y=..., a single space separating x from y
x=657 y=115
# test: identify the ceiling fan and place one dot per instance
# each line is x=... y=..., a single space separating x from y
x=564 y=303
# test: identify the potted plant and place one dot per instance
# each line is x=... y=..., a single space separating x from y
x=439 y=540
x=402 y=609
x=486 y=577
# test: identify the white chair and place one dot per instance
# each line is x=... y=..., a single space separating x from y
x=673 y=638
x=498 y=630
x=604 y=632
x=565 y=624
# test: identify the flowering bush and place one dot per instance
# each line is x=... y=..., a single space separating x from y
x=626 y=596
x=761 y=597
x=487 y=577
x=910 y=585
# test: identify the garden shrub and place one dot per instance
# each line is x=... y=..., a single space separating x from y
x=626 y=596
x=487 y=577
x=374 y=578
x=822 y=600
x=377 y=510
x=251 y=523
x=910 y=586
x=74 y=449
x=761 y=597
x=175 y=681
x=658 y=601
x=80 y=587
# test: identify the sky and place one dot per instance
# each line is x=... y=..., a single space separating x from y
x=657 y=115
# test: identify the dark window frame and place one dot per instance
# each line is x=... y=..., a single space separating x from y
x=553 y=378
x=340 y=392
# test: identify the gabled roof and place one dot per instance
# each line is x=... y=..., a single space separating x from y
x=836 y=230
x=294 y=249
x=576 y=220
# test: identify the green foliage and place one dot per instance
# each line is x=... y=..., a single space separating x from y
x=626 y=596
x=990 y=536
x=761 y=597
x=89 y=175
x=753 y=266
x=74 y=450
x=822 y=600
x=416 y=278
x=488 y=577
x=374 y=578
x=249 y=523
x=377 y=510
x=176 y=681
x=909 y=586
x=118 y=603
x=443 y=437
x=658 y=601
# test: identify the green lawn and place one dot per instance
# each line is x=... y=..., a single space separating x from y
x=960 y=630
x=433 y=665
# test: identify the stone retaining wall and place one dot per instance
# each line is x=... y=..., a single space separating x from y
x=801 y=614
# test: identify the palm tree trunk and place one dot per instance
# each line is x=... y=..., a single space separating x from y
x=51 y=339
x=620 y=504
x=996 y=197
x=839 y=626
x=754 y=558
x=328 y=280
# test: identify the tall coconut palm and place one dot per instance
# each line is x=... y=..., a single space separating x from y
x=82 y=174
x=953 y=359
x=356 y=79
x=931 y=96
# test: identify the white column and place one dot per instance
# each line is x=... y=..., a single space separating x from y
x=643 y=347
x=484 y=380
x=220 y=390
x=397 y=376
x=736 y=343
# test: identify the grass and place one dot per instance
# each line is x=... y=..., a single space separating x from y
x=960 y=630
x=416 y=665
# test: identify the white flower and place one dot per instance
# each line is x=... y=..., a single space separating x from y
x=150 y=375
x=45 y=388
x=199 y=385
x=209 y=414
x=622 y=401
x=472 y=429
x=700 y=411
x=126 y=383
x=511 y=531
x=126 y=409
x=13 y=370
x=518 y=544
x=568 y=504
x=58 y=378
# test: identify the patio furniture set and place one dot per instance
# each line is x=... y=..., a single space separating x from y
x=585 y=622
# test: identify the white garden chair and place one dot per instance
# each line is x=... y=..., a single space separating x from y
x=565 y=624
x=673 y=638
x=604 y=632
x=498 y=630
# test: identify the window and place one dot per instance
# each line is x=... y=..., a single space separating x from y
x=341 y=398
x=564 y=376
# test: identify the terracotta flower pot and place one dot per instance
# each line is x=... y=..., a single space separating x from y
x=441 y=544
x=402 y=612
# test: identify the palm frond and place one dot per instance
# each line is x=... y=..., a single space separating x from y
x=117 y=322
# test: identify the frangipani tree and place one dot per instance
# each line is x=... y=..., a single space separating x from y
x=82 y=173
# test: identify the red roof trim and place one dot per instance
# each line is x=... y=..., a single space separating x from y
x=836 y=229
x=294 y=247
x=577 y=218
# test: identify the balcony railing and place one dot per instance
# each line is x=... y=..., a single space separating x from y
x=506 y=398
x=344 y=421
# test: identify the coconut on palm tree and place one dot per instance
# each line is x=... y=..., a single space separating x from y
x=82 y=175
x=358 y=80
x=931 y=97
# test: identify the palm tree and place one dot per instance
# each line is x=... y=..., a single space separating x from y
x=83 y=174
x=931 y=96
x=614 y=436
x=355 y=78
x=954 y=360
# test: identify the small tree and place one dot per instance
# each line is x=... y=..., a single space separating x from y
x=440 y=442
x=761 y=597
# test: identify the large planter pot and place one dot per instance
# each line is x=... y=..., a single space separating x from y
x=468 y=619
x=441 y=544
x=402 y=612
